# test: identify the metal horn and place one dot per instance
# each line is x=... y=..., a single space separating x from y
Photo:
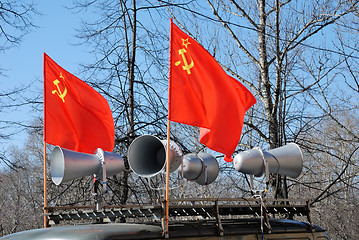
x=202 y=168
x=68 y=165
x=147 y=156
x=286 y=160
x=250 y=162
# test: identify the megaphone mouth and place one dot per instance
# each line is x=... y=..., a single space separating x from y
x=144 y=149
x=57 y=165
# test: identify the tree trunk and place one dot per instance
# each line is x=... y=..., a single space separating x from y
x=131 y=122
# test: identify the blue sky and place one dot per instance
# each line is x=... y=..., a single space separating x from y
x=55 y=35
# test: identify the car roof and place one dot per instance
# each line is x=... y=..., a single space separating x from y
x=90 y=232
x=154 y=230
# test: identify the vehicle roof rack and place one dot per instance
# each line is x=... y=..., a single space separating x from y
x=190 y=209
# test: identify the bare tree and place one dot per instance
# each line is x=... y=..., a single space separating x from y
x=285 y=52
x=16 y=20
x=129 y=71
x=21 y=191
x=274 y=40
x=331 y=174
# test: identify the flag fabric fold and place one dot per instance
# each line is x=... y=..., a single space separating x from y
x=202 y=94
x=76 y=117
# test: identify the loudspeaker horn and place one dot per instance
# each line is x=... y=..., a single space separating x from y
x=68 y=165
x=286 y=160
x=250 y=162
x=147 y=156
x=202 y=168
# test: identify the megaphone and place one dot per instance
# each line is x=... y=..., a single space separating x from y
x=147 y=156
x=68 y=165
x=286 y=160
x=250 y=162
x=202 y=168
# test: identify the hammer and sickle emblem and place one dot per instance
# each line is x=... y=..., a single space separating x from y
x=58 y=90
x=187 y=67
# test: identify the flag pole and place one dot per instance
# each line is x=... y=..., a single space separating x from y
x=44 y=150
x=167 y=177
x=167 y=194
x=45 y=187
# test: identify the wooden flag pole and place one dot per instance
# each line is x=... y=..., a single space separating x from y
x=167 y=191
x=167 y=176
x=44 y=150
x=45 y=187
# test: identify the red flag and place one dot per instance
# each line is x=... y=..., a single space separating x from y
x=76 y=117
x=202 y=94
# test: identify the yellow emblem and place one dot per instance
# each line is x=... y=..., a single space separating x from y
x=58 y=90
x=187 y=67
